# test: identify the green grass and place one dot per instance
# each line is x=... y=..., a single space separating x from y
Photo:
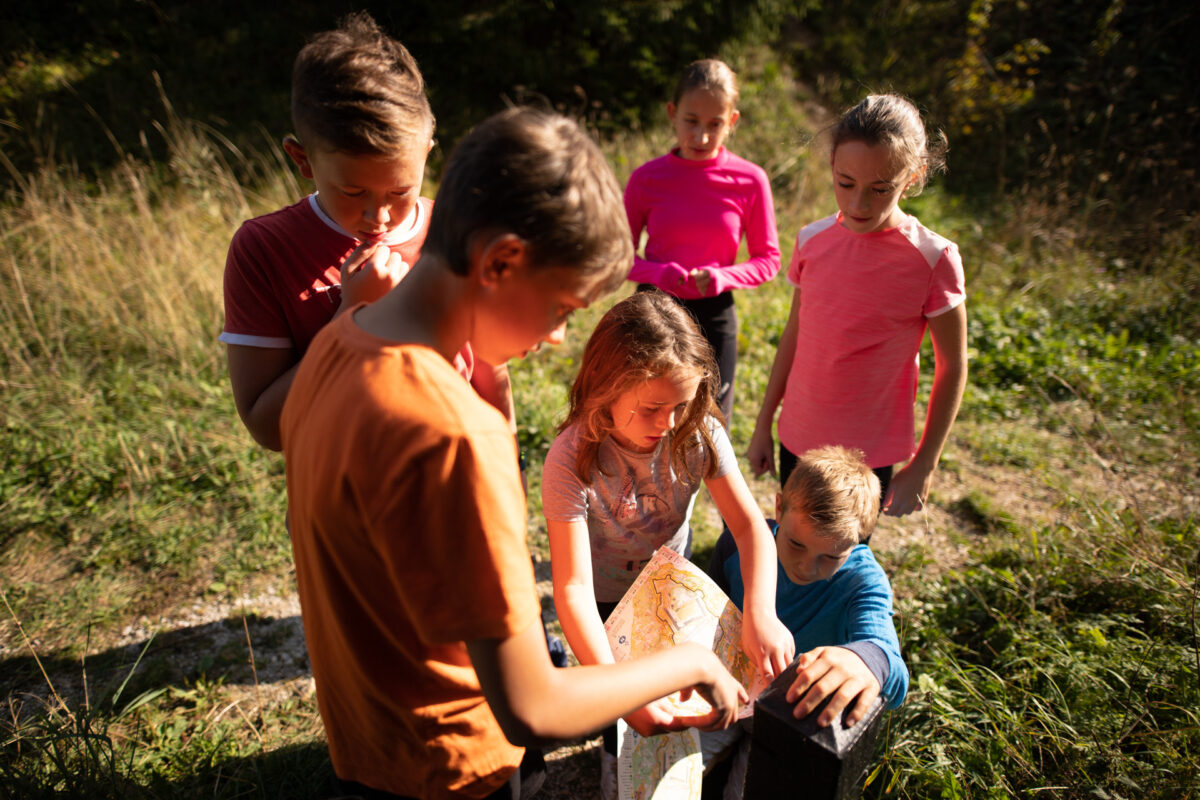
x=1052 y=638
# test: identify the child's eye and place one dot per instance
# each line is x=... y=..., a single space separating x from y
x=845 y=185
x=882 y=192
x=352 y=192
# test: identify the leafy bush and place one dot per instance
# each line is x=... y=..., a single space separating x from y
x=1093 y=103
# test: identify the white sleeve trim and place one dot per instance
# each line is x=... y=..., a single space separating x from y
x=247 y=340
x=958 y=301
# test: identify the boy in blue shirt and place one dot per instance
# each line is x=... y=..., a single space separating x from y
x=831 y=594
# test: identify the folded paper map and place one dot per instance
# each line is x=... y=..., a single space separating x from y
x=673 y=601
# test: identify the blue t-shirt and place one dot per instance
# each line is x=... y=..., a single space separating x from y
x=851 y=607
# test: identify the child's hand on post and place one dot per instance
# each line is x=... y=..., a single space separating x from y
x=369 y=272
x=836 y=671
x=768 y=642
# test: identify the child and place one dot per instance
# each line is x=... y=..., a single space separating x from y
x=831 y=594
x=365 y=128
x=868 y=280
x=407 y=514
x=622 y=475
x=695 y=204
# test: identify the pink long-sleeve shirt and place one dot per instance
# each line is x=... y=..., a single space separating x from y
x=695 y=214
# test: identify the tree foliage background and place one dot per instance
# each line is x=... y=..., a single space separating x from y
x=1091 y=103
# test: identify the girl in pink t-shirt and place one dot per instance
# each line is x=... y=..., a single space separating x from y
x=868 y=281
x=695 y=204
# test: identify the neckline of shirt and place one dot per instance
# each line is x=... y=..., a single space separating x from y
x=397 y=236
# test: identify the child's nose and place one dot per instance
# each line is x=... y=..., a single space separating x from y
x=379 y=214
x=556 y=336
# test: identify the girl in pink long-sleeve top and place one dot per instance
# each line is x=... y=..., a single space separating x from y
x=695 y=204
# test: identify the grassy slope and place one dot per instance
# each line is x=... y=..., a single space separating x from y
x=1047 y=599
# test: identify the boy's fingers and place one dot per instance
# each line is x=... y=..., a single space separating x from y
x=781 y=658
x=865 y=699
x=356 y=258
x=809 y=670
x=712 y=721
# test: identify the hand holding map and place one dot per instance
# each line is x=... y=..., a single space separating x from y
x=673 y=602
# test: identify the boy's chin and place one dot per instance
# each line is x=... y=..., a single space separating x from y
x=791 y=578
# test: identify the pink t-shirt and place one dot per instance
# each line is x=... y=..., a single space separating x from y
x=864 y=302
x=695 y=214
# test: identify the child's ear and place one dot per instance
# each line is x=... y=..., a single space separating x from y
x=778 y=506
x=914 y=178
x=292 y=146
x=501 y=257
x=734 y=116
x=670 y=111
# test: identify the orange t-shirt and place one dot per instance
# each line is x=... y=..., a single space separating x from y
x=408 y=530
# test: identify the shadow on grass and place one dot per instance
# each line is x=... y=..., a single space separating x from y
x=215 y=651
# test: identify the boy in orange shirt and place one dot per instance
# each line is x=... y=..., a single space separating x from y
x=408 y=517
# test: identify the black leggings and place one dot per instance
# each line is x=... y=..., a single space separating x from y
x=717 y=318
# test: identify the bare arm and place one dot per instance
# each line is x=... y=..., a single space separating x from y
x=535 y=703
x=574 y=594
x=910 y=487
x=575 y=604
x=766 y=640
x=261 y=377
x=761 y=453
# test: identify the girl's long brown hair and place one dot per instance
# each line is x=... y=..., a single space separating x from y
x=645 y=336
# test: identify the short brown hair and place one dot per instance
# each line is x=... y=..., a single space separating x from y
x=837 y=490
x=535 y=174
x=356 y=90
x=647 y=335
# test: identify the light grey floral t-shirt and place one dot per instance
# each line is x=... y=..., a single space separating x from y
x=638 y=506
